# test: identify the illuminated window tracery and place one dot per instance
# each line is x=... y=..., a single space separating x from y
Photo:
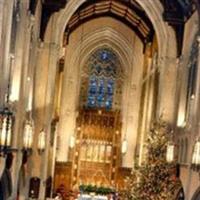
x=101 y=83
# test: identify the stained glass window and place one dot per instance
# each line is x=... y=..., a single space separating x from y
x=103 y=72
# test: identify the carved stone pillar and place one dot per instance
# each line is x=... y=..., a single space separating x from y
x=51 y=52
x=5 y=35
x=197 y=92
x=167 y=89
x=19 y=85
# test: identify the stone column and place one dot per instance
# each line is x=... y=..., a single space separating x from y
x=167 y=89
x=1 y=18
x=6 y=11
x=2 y=165
x=53 y=52
x=144 y=105
x=181 y=91
x=195 y=126
x=6 y=25
x=131 y=101
x=66 y=126
x=19 y=84
x=67 y=120
x=197 y=91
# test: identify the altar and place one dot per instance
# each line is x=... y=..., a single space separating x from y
x=92 y=197
x=95 y=159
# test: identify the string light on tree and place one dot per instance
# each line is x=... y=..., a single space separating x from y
x=155 y=179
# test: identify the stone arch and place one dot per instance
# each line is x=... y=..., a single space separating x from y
x=166 y=55
x=153 y=9
x=101 y=37
x=90 y=42
x=58 y=21
x=104 y=37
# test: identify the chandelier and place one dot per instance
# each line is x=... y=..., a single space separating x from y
x=28 y=136
x=41 y=141
x=6 y=123
x=196 y=154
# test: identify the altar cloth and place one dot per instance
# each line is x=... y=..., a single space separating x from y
x=90 y=197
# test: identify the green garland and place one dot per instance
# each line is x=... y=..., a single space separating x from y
x=94 y=189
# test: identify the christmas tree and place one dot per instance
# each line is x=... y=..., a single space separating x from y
x=155 y=178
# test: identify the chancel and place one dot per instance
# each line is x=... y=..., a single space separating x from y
x=99 y=100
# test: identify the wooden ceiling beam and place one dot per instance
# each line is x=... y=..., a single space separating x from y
x=122 y=10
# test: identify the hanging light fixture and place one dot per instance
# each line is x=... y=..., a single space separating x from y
x=28 y=136
x=170 y=152
x=196 y=154
x=41 y=142
x=124 y=146
x=6 y=120
x=72 y=141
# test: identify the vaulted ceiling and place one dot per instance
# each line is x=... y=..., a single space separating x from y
x=126 y=11
x=176 y=13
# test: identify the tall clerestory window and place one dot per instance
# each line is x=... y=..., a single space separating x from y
x=102 y=80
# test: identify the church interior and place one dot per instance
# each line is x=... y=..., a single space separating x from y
x=100 y=99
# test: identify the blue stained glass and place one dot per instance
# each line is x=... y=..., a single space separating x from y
x=102 y=76
x=91 y=101
x=109 y=104
x=93 y=86
x=100 y=101
x=104 y=55
x=101 y=87
x=110 y=87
